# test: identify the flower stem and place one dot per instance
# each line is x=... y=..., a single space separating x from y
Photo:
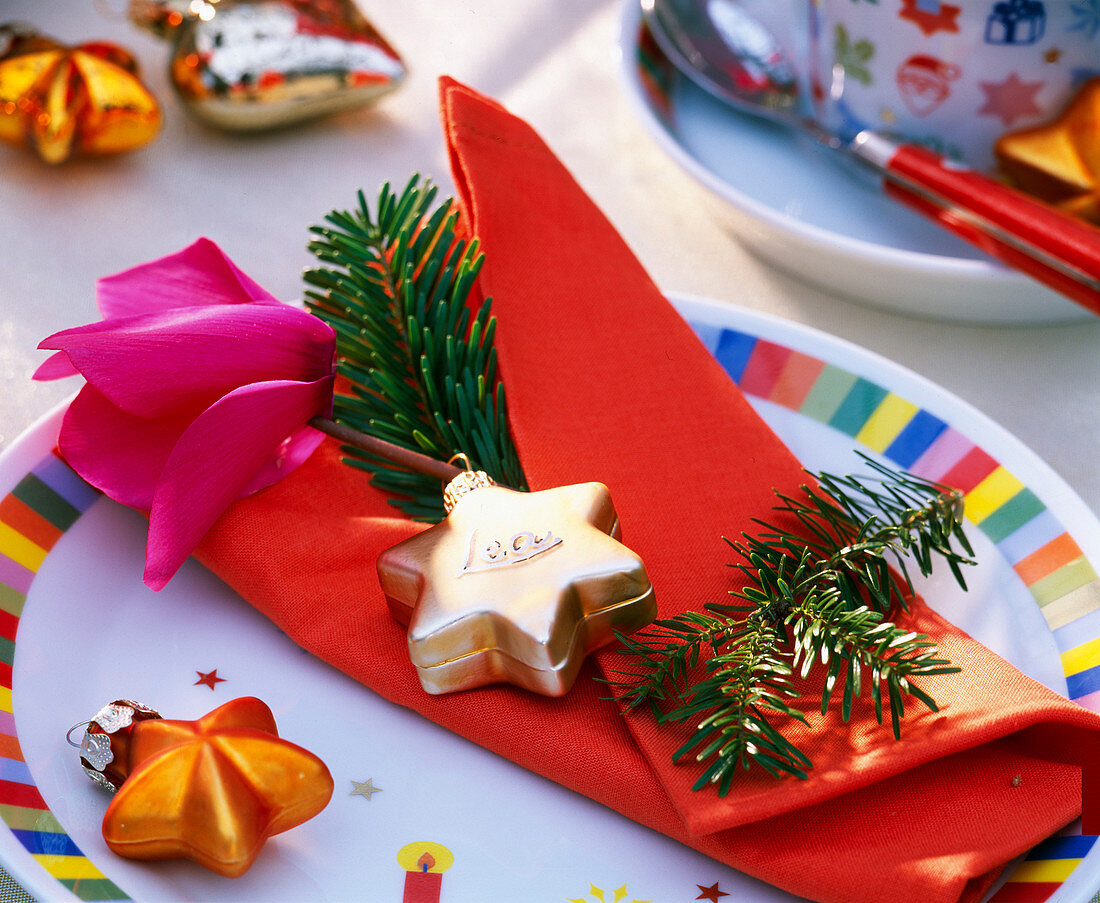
x=387 y=450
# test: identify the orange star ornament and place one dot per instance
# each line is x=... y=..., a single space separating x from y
x=64 y=100
x=213 y=790
x=1060 y=162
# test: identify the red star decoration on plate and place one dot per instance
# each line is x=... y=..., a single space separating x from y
x=1011 y=99
x=930 y=16
x=209 y=678
x=711 y=893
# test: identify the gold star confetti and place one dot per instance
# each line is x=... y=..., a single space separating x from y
x=364 y=788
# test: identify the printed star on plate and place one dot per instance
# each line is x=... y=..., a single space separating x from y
x=515 y=587
x=930 y=15
x=209 y=678
x=365 y=788
x=213 y=790
x=711 y=893
x=1011 y=99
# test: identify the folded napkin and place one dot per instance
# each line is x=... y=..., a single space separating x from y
x=606 y=382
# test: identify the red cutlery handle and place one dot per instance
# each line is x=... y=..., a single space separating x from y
x=1061 y=251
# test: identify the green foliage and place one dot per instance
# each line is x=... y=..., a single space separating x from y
x=818 y=597
x=419 y=360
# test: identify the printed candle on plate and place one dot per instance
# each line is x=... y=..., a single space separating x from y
x=424 y=863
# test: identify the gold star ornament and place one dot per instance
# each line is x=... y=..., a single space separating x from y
x=514 y=587
x=1060 y=162
x=66 y=100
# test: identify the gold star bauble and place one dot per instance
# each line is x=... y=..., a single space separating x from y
x=66 y=100
x=1060 y=162
x=515 y=587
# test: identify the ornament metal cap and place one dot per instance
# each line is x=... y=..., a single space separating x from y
x=465 y=483
x=106 y=737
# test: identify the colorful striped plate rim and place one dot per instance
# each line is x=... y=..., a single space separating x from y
x=1049 y=561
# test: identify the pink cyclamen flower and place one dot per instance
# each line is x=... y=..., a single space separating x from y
x=199 y=388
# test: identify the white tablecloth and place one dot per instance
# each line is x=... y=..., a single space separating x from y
x=554 y=63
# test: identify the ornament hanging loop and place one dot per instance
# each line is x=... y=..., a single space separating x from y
x=69 y=734
x=463 y=458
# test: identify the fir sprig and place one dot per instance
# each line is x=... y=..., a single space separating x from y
x=421 y=369
x=419 y=360
x=818 y=596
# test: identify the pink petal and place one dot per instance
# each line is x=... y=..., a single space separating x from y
x=124 y=455
x=182 y=361
x=116 y=452
x=198 y=275
x=217 y=457
x=288 y=457
x=56 y=366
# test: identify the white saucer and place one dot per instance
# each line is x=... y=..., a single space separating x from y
x=797 y=206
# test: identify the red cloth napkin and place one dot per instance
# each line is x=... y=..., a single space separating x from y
x=606 y=382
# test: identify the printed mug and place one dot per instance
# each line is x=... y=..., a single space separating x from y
x=951 y=77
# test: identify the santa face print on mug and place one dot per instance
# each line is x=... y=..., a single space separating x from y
x=952 y=77
x=925 y=82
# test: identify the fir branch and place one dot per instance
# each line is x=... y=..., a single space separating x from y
x=862 y=531
x=419 y=359
x=819 y=596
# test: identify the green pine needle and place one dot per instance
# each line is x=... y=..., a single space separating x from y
x=816 y=598
x=396 y=287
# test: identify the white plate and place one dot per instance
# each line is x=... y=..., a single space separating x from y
x=89 y=632
x=801 y=208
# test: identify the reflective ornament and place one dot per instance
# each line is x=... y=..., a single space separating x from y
x=514 y=587
x=68 y=100
x=1060 y=162
x=245 y=65
x=213 y=790
x=105 y=746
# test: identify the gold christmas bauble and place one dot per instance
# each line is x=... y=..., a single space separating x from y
x=248 y=65
x=515 y=587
